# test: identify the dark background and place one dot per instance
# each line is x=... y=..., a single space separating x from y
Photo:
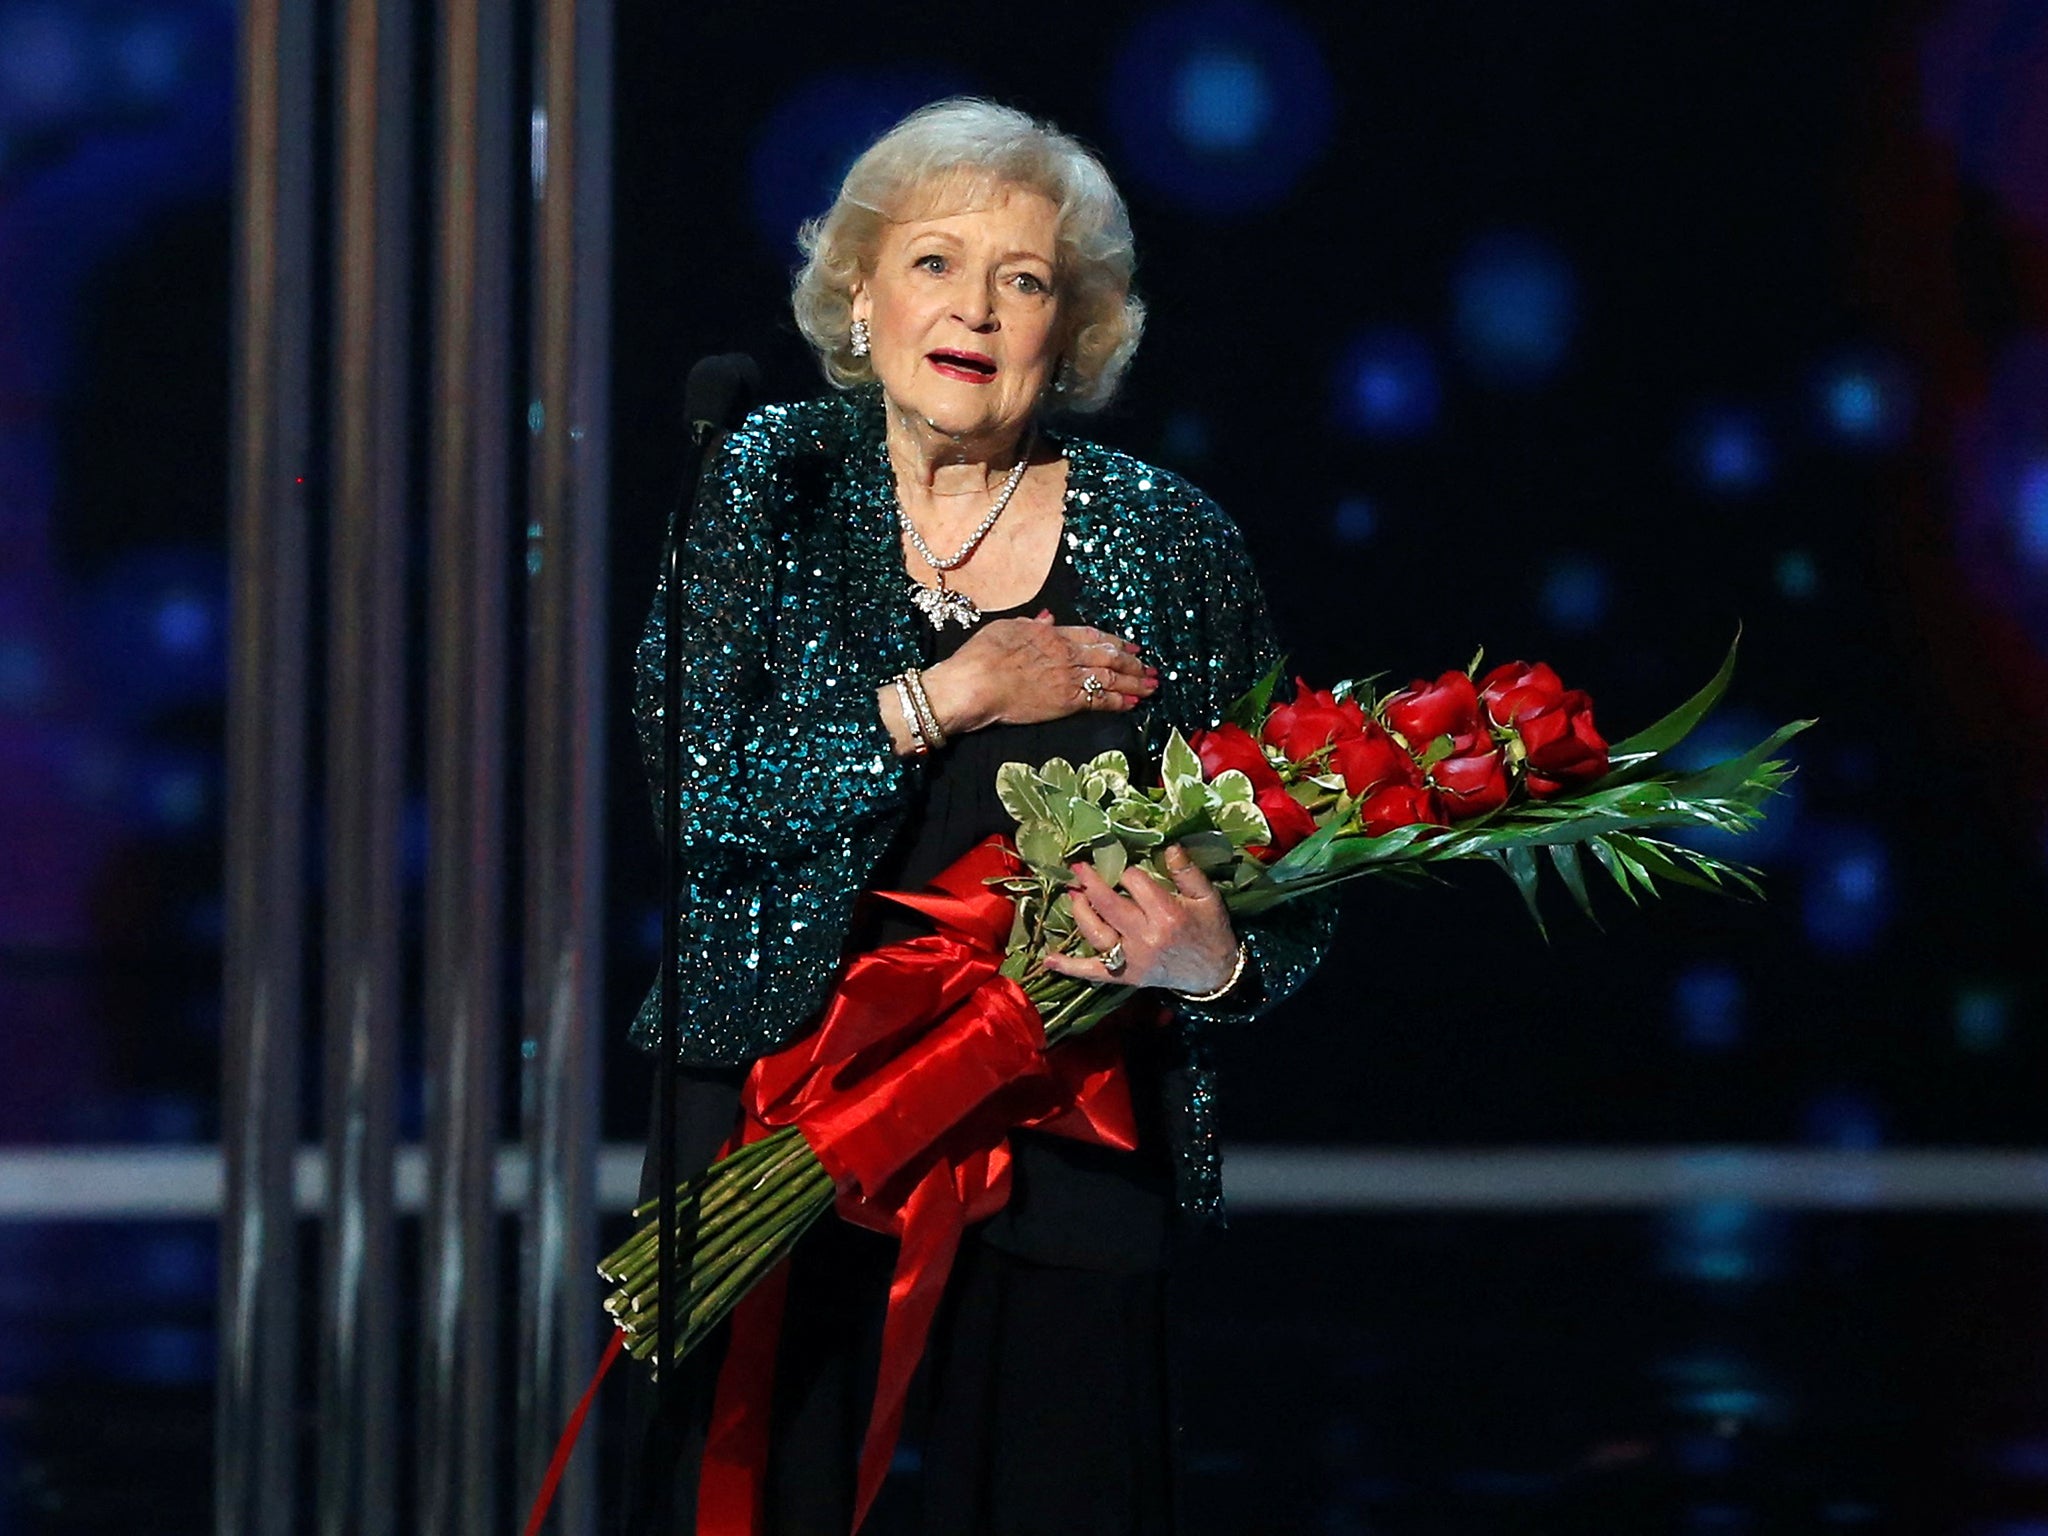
x=1586 y=332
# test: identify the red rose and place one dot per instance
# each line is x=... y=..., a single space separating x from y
x=1424 y=711
x=1315 y=719
x=1288 y=818
x=1515 y=689
x=1232 y=746
x=1562 y=744
x=1398 y=805
x=1471 y=784
x=1374 y=758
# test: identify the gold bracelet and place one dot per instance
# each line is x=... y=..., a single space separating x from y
x=919 y=747
x=926 y=715
x=1236 y=974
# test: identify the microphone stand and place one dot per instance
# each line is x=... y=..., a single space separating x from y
x=718 y=393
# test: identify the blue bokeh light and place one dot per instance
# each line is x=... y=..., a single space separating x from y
x=1718 y=1242
x=160 y=622
x=1863 y=401
x=1576 y=593
x=1848 y=897
x=42 y=61
x=24 y=675
x=2030 y=513
x=1729 y=452
x=186 y=622
x=149 y=57
x=175 y=795
x=1354 y=521
x=1983 y=1016
x=1515 y=304
x=1221 y=101
x=819 y=129
x=2023 y=1459
x=1797 y=576
x=1220 y=105
x=1708 y=1002
x=1729 y=733
x=1387 y=385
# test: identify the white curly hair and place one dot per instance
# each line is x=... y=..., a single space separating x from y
x=966 y=146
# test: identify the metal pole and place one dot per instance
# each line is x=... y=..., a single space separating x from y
x=465 y=954
x=565 y=756
x=255 y=1407
x=365 y=767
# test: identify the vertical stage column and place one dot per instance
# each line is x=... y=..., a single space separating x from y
x=459 y=1410
x=365 y=765
x=571 y=149
x=265 y=870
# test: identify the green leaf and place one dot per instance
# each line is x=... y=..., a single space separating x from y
x=1136 y=836
x=1309 y=856
x=1111 y=861
x=1564 y=858
x=1242 y=822
x=1113 y=766
x=1437 y=751
x=1603 y=850
x=1210 y=851
x=1732 y=775
x=1058 y=773
x=1085 y=823
x=1232 y=784
x=1017 y=788
x=1042 y=847
x=1676 y=726
x=1520 y=863
x=1248 y=710
x=1178 y=763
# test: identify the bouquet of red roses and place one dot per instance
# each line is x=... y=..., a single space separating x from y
x=898 y=1108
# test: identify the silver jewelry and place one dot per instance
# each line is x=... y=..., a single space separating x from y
x=940 y=603
x=1113 y=960
x=919 y=747
x=857 y=339
x=1092 y=686
x=927 y=717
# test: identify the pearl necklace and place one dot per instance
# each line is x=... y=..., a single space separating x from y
x=941 y=603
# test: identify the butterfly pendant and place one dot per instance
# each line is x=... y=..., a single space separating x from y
x=940 y=605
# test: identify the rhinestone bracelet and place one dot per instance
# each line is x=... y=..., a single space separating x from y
x=919 y=747
x=927 y=716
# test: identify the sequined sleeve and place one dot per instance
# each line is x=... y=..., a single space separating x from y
x=1289 y=942
x=775 y=761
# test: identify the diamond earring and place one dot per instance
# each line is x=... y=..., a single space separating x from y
x=858 y=338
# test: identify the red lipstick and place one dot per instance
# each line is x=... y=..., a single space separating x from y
x=967 y=367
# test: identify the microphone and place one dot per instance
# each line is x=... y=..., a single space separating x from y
x=719 y=391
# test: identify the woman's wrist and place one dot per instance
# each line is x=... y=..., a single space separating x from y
x=951 y=695
x=1218 y=993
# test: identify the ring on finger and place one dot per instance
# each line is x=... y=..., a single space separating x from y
x=1113 y=960
x=1092 y=686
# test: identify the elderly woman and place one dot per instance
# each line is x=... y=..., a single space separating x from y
x=892 y=591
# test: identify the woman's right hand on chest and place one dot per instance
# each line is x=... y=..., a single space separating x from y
x=1022 y=671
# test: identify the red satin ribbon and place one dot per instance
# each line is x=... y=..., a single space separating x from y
x=925 y=1060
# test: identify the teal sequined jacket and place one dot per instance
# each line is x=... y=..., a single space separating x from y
x=791 y=792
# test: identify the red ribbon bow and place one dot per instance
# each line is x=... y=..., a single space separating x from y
x=926 y=1059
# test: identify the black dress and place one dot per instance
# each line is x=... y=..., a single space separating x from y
x=1043 y=1404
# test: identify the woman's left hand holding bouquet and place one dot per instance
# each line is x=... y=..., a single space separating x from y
x=1180 y=939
